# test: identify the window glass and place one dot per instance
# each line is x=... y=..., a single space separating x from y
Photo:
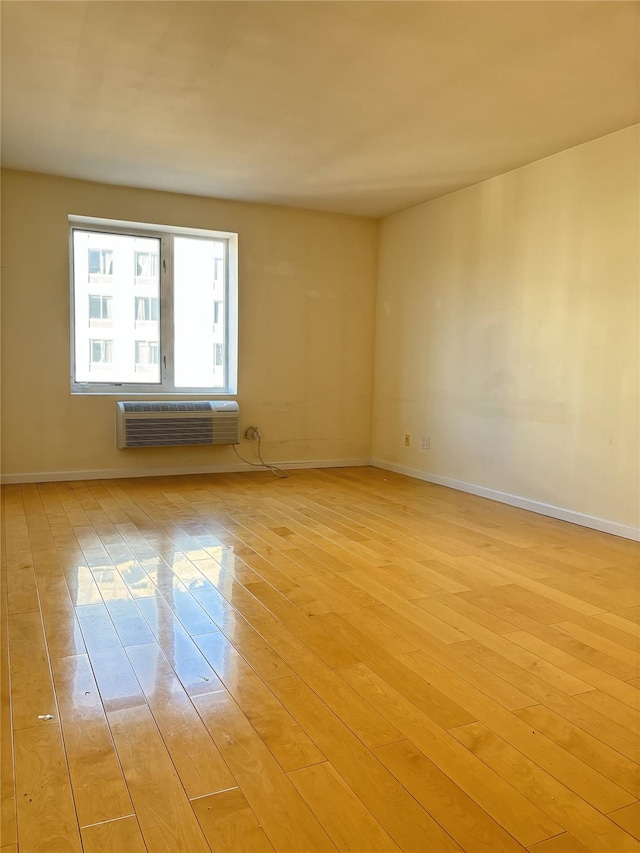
x=164 y=297
x=198 y=294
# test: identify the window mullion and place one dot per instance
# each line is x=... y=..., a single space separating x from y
x=167 y=358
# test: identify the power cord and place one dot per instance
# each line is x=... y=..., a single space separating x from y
x=262 y=464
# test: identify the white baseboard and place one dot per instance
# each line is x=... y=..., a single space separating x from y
x=125 y=473
x=627 y=531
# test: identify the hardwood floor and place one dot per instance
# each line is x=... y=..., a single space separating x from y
x=347 y=659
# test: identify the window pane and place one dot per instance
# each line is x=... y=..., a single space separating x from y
x=199 y=283
x=101 y=352
x=95 y=307
x=146 y=264
x=147 y=353
x=108 y=263
x=99 y=307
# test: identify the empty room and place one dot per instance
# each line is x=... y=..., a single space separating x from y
x=320 y=384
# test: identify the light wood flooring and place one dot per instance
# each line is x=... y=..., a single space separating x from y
x=347 y=659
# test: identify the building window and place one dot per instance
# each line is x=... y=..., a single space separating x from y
x=100 y=352
x=147 y=353
x=99 y=307
x=147 y=308
x=100 y=262
x=146 y=264
x=178 y=285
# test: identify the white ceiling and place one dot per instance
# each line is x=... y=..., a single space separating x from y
x=355 y=107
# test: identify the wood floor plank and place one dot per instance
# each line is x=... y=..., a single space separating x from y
x=182 y=603
x=408 y=609
x=598 y=654
x=615 y=620
x=199 y=764
x=592 y=786
x=564 y=843
x=115 y=836
x=366 y=622
x=279 y=731
x=435 y=703
x=628 y=819
x=116 y=682
x=121 y=606
x=286 y=819
x=521 y=818
x=22 y=590
x=362 y=718
x=482 y=678
x=262 y=657
x=586 y=823
x=595 y=625
x=229 y=824
x=99 y=790
x=318 y=641
x=455 y=811
x=408 y=825
x=584 y=746
x=588 y=674
x=523 y=655
x=573 y=709
x=606 y=638
x=620 y=712
x=31 y=685
x=165 y=816
x=179 y=648
x=8 y=821
x=46 y=815
x=348 y=823
x=62 y=630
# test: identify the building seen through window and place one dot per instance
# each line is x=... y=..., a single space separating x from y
x=169 y=322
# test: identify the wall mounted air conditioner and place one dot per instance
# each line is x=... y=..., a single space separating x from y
x=170 y=424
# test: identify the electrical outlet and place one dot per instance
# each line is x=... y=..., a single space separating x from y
x=426 y=442
x=407 y=439
x=251 y=433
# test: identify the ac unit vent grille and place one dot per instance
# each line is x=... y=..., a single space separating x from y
x=152 y=432
x=171 y=424
x=179 y=406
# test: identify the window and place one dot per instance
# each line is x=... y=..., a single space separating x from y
x=146 y=264
x=147 y=308
x=100 y=352
x=169 y=299
x=100 y=262
x=99 y=307
x=147 y=353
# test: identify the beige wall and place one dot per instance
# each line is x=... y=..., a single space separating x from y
x=507 y=330
x=307 y=303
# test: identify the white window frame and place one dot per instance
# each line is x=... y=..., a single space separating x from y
x=165 y=233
